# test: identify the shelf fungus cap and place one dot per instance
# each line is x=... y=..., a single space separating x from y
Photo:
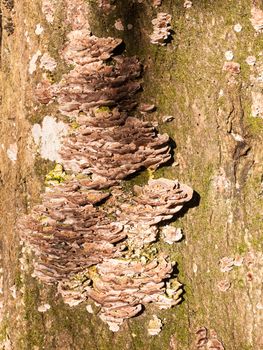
x=157 y=3
x=121 y=287
x=171 y=234
x=161 y=200
x=155 y=326
x=161 y=29
x=74 y=290
x=257 y=19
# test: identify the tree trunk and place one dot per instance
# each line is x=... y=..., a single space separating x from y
x=216 y=104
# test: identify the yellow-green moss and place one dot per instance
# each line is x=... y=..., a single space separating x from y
x=255 y=125
x=56 y=175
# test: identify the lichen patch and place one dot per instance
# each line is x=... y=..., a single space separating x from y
x=48 y=137
x=12 y=152
x=33 y=62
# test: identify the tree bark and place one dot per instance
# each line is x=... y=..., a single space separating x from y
x=217 y=134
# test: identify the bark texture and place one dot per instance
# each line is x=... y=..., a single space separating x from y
x=217 y=133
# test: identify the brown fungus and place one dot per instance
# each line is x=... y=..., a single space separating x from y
x=157 y=3
x=44 y=92
x=68 y=233
x=122 y=286
x=108 y=142
x=117 y=151
x=161 y=29
x=83 y=48
x=85 y=240
x=160 y=200
x=257 y=18
x=98 y=85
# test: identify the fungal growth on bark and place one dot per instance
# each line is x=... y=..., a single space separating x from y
x=257 y=18
x=106 y=5
x=108 y=141
x=71 y=234
x=121 y=287
x=161 y=29
x=92 y=82
x=90 y=237
x=157 y=3
x=116 y=151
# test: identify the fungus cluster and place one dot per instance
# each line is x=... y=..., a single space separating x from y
x=48 y=9
x=161 y=29
x=115 y=151
x=158 y=201
x=96 y=252
x=121 y=287
x=69 y=233
x=257 y=18
x=106 y=5
x=97 y=79
x=108 y=142
x=157 y=3
x=88 y=240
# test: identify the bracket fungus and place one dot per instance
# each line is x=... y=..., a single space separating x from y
x=88 y=241
x=81 y=246
x=106 y=5
x=160 y=200
x=117 y=151
x=161 y=29
x=155 y=326
x=157 y=3
x=68 y=233
x=121 y=287
x=257 y=19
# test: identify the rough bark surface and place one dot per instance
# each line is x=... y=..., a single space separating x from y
x=217 y=127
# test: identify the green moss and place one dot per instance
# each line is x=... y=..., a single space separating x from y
x=247 y=347
x=165 y=171
x=139 y=179
x=56 y=175
x=255 y=125
x=257 y=242
x=34 y=332
x=3 y=329
x=242 y=248
x=18 y=280
x=103 y=109
x=74 y=125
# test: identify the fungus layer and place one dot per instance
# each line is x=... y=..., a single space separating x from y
x=100 y=96
x=89 y=242
x=71 y=234
x=115 y=146
x=161 y=29
x=121 y=287
x=95 y=80
x=69 y=231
